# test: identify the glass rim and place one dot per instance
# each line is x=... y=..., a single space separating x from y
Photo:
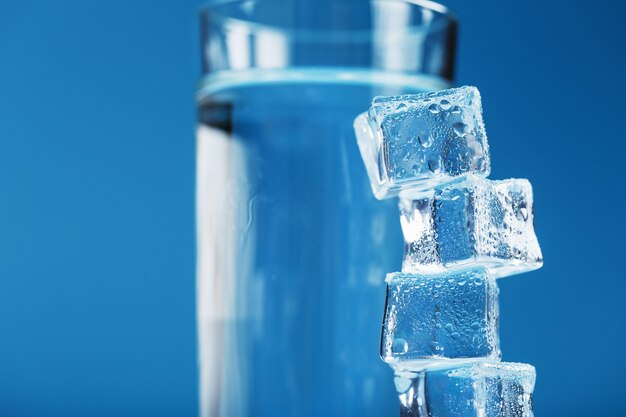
x=210 y=11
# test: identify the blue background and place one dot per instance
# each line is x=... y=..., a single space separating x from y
x=97 y=304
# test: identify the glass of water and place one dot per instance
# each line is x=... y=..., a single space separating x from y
x=292 y=247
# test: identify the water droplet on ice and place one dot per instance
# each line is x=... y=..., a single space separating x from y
x=435 y=346
x=434 y=165
x=425 y=139
x=445 y=104
x=460 y=129
x=399 y=346
x=433 y=108
x=522 y=213
x=402 y=384
x=455 y=110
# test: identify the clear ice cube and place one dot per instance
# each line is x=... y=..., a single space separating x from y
x=471 y=220
x=485 y=389
x=420 y=140
x=433 y=319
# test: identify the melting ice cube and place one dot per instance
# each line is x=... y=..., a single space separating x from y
x=486 y=389
x=435 y=318
x=420 y=140
x=471 y=221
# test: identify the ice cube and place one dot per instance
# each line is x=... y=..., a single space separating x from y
x=433 y=319
x=420 y=140
x=470 y=221
x=485 y=389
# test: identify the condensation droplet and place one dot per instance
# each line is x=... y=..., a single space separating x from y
x=522 y=213
x=445 y=104
x=434 y=345
x=399 y=346
x=402 y=384
x=460 y=129
x=433 y=108
x=425 y=139
x=434 y=165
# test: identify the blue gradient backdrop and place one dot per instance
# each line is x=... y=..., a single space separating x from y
x=97 y=183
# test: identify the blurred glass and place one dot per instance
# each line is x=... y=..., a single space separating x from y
x=292 y=246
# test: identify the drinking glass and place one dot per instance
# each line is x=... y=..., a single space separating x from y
x=292 y=248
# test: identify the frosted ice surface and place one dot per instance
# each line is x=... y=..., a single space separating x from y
x=434 y=318
x=470 y=221
x=486 y=389
x=420 y=140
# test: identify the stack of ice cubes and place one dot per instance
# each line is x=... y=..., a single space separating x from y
x=462 y=231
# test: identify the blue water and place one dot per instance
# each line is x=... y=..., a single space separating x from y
x=292 y=246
